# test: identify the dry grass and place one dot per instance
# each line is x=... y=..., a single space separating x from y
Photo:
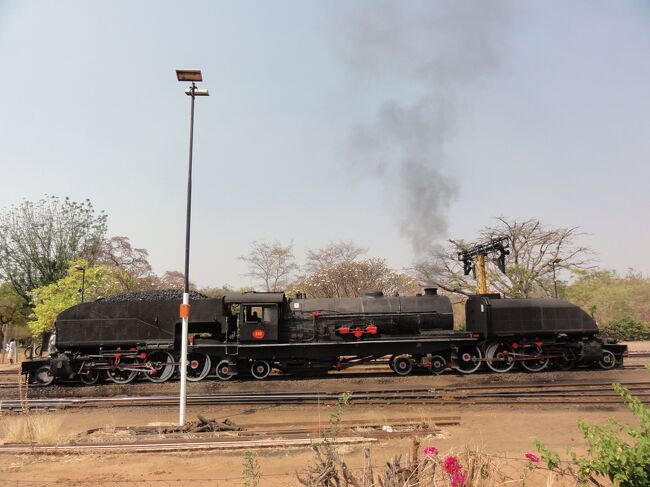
x=33 y=429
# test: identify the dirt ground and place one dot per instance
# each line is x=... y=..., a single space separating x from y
x=502 y=431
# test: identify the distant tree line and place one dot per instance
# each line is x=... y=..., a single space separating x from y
x=46 y=245
x=541 y=260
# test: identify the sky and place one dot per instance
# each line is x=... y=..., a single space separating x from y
x=392 y=124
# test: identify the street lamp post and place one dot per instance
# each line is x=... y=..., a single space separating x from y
x=191 y=75
x=556 y=261
x=83 y=279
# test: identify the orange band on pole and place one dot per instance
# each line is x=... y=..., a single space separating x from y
x=185 y=311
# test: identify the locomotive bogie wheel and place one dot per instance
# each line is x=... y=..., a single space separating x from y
x=122 y=372
x=89 y=376
x=260 y=369
x=438 y=364
x=44 y=375
x=198 y=366
x=390 y=362
x=402 y=365
x=537 y=364
x=161 y=366
x=468 y=359
x=500 y=357
x=224 y=370
x=608 y=361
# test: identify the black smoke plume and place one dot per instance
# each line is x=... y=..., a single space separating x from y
x=436 y=53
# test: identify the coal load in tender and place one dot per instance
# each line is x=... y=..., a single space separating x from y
x=154 y=295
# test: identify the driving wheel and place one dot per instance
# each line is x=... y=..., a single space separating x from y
x=500 y=357
x=468 y=359
x=161 y=366
x=198 y=366
x=124 y=370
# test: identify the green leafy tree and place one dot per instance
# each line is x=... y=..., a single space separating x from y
x=608 y=296
x=50 y=300
x=14 y=311
x=626 y=328
x=38 y=240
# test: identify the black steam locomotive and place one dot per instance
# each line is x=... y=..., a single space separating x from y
x=250 y=334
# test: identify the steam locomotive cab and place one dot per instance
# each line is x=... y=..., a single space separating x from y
x=255 y=317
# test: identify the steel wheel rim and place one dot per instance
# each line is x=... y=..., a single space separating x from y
x=475 y=356
x=402 y=365
x=44 y=375
x=260 y=369
x=536 y=365
x=494 y=356
x=224 y=370
x=203 y=367
x=89 y=377
x=438 y=364
x=164 y=368
x=121 y=376
x=608 y=361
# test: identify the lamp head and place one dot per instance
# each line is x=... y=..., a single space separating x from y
x=196 y=92
x=189 y=75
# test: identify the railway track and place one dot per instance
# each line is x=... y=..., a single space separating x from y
x=14 y=385
x=515 y=394
x=177 y=445
x=268 y=435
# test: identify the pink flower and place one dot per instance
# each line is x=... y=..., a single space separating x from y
x=532 y=458
x=430 y=450
x=458 y=480
x=450 y=465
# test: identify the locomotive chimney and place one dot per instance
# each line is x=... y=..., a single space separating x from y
x=430 y=291
x=374 y=294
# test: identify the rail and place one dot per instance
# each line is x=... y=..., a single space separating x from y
x=568 y=393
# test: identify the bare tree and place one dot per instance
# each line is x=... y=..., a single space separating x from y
x=173 y=280
x=353 y=278
x=118 y=252
x=534 y=251
x=270 y=263
x=334 y=253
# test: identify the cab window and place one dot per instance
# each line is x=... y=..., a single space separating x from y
x=259 y=314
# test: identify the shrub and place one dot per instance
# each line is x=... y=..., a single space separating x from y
x=252 y=470
x=626 y=328
x=620 y=452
